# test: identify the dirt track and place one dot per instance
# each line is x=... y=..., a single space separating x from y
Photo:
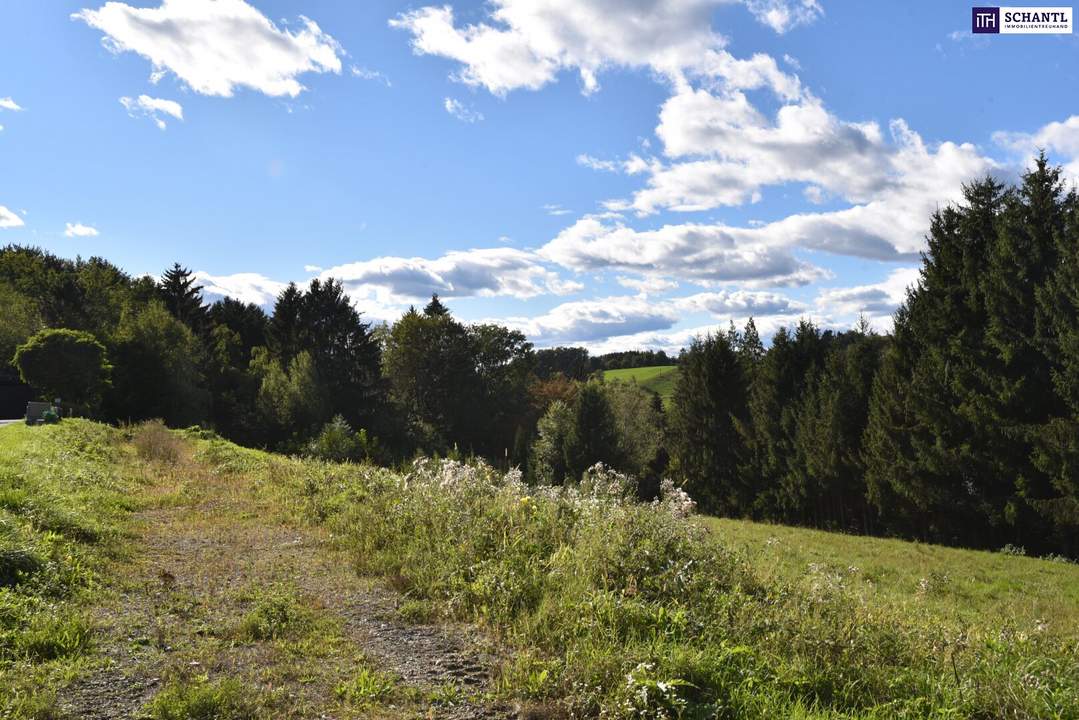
x=197 y=554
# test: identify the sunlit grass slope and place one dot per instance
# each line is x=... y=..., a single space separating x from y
x=63 y=503
x=604 y=607
x=615 y=609
x=963 y=586
x=660 y=379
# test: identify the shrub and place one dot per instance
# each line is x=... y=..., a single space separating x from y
x=1016 y=550
x=69 y=364
x=366 y=687
x=226 y=699
x=277 y=613
x=156 y=443
x=336 y=442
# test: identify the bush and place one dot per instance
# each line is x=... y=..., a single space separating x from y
x=156 y=443
x=338 y=443
x=203 y=700
x=277 y=613
x=69 y=364
x=366 y=687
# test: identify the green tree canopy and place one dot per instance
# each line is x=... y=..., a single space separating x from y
x=157 y=373
x=68 y=364
x=549 y=464
x=595 y=436
x=709 y=397
x=19 y=320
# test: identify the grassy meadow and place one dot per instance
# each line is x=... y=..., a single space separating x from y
x=967 y=587
x=604 y=607
x=63 y=502
x=660 y=379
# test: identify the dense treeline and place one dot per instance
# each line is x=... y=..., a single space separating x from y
x=960 y=427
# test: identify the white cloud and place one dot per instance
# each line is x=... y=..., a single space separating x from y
x=594 y=163
x=670 y=342
x=1061 y=138
x=877 y=301
x=591 y=320
x=893 y=224
x=631 y=317
x=9 y=219
x=647 y=285
x=245 y=287
x=555 y=209
x=368 y=74
x=153 y=108
x=742 y=303
x=461 y=111
x=731 y=151
x=890 y=226
x=215 y=46
x=80 y=230
x=725 y=153
x=782 y=15
x=8 y=104
x=384 y=287
x=486 y=272
x=699 y=252
x=526 y=43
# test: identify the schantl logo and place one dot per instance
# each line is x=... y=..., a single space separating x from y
x=1021 y=20
x=985 y=20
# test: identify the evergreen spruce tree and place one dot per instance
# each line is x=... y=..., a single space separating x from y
x=704 y=444
x=962 y=403
x=435 y=308
x=247 y=320
x=927 y=468
x=284 y=330
x=751 y=351
x=594 y=438
x=182 y=297
x=346 y=356
x=830 y=426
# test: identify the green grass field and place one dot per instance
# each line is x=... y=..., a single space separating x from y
x=63 y=499
x=602 y=607
x=660 y=379
x=969 y=587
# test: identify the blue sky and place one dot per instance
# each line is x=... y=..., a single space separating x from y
x=617 y=174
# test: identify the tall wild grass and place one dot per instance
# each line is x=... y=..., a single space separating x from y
x=619 y=609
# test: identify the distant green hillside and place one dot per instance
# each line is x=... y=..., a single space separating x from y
x=660 y=379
